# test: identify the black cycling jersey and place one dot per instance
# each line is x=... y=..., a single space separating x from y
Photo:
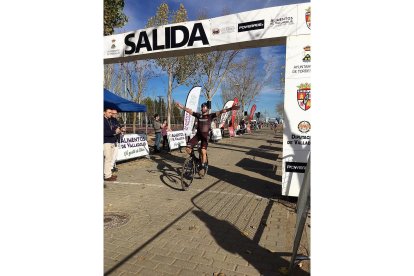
x=204 y=122
x=203 y=127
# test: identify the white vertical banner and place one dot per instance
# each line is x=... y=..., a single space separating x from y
x=192 y=103
x=224 y=116
x=297 y=119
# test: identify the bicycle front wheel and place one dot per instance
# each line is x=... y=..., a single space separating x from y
x=187 y=173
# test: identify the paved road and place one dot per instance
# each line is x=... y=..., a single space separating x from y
x=230 y=221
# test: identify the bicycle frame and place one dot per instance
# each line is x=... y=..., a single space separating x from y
x=191 y=166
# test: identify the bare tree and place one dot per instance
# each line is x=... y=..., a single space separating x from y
x=178 y=69
x=243 y=83
x=108 y=75
x=137 y=74
x=280 y=109
x=212 y=70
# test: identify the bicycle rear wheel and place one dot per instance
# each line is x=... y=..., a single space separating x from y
x=187 y=174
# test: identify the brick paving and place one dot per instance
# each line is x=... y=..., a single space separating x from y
x=232 y=221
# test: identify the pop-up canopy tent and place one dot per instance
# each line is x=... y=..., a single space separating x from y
x=114 y=101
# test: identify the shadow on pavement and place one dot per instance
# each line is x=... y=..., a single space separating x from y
x=232 y=240
x=274 y=142
x=263 y=168
x=170 y=176
x=254 y=185
x=263 y=154
x=271 y=148
x=137 y=250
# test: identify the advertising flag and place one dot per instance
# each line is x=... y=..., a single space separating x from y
x=192 y=103
x=234 y=112
x=233 y=118
x=252 y=110
x=224 y=116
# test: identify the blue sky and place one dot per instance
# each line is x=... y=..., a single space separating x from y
x=138 y=13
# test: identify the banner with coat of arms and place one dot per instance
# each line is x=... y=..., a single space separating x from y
x=297 y=119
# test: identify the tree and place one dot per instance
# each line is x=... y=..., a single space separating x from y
x=137 y=74
x=178 y=69
x=243 y=83
x=114 y=16
x=213 y=69
x=213 y=66
x=280 y=109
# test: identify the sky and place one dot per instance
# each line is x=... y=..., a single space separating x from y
x=138 y=12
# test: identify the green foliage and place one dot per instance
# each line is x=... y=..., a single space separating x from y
x=114 y=16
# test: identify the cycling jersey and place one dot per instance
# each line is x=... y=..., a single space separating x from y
x=204 y=122
x=203 y=127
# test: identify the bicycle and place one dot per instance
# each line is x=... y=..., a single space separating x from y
x=191 y=166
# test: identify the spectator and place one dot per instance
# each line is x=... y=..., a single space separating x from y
x=115 y=122
x=164 y=131
x=243 y=126
x=157 y=129
x=109 y=143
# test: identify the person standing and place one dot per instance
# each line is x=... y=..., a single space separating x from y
x=164 y=131
x=157 y=129
x=116 y=124
x=110 y=132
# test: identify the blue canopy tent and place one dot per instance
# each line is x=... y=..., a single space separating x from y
x=114 y=101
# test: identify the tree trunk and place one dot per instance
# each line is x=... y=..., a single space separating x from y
x=169 y=98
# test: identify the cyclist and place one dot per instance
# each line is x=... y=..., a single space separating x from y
x=203 y=127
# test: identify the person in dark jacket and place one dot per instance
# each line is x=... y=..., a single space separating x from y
x=110 y=132
x=116 y=124
x=157 y=129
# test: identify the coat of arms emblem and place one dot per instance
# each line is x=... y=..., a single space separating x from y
x=308 y=17
x=304 y=95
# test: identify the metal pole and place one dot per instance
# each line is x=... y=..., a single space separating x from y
x=302 y=211
x=146 y=124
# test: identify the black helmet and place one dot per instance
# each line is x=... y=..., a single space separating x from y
x=204 y=104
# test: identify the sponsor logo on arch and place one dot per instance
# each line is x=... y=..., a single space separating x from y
x=304 y=126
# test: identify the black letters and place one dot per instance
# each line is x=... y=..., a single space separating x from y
x=145 y=43
x=202 y=37
x=154 y=41
x=130 y=44
x=167 y=38
x=197 y=34
x=174 y=43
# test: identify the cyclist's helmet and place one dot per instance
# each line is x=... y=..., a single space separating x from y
x=204 y=104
